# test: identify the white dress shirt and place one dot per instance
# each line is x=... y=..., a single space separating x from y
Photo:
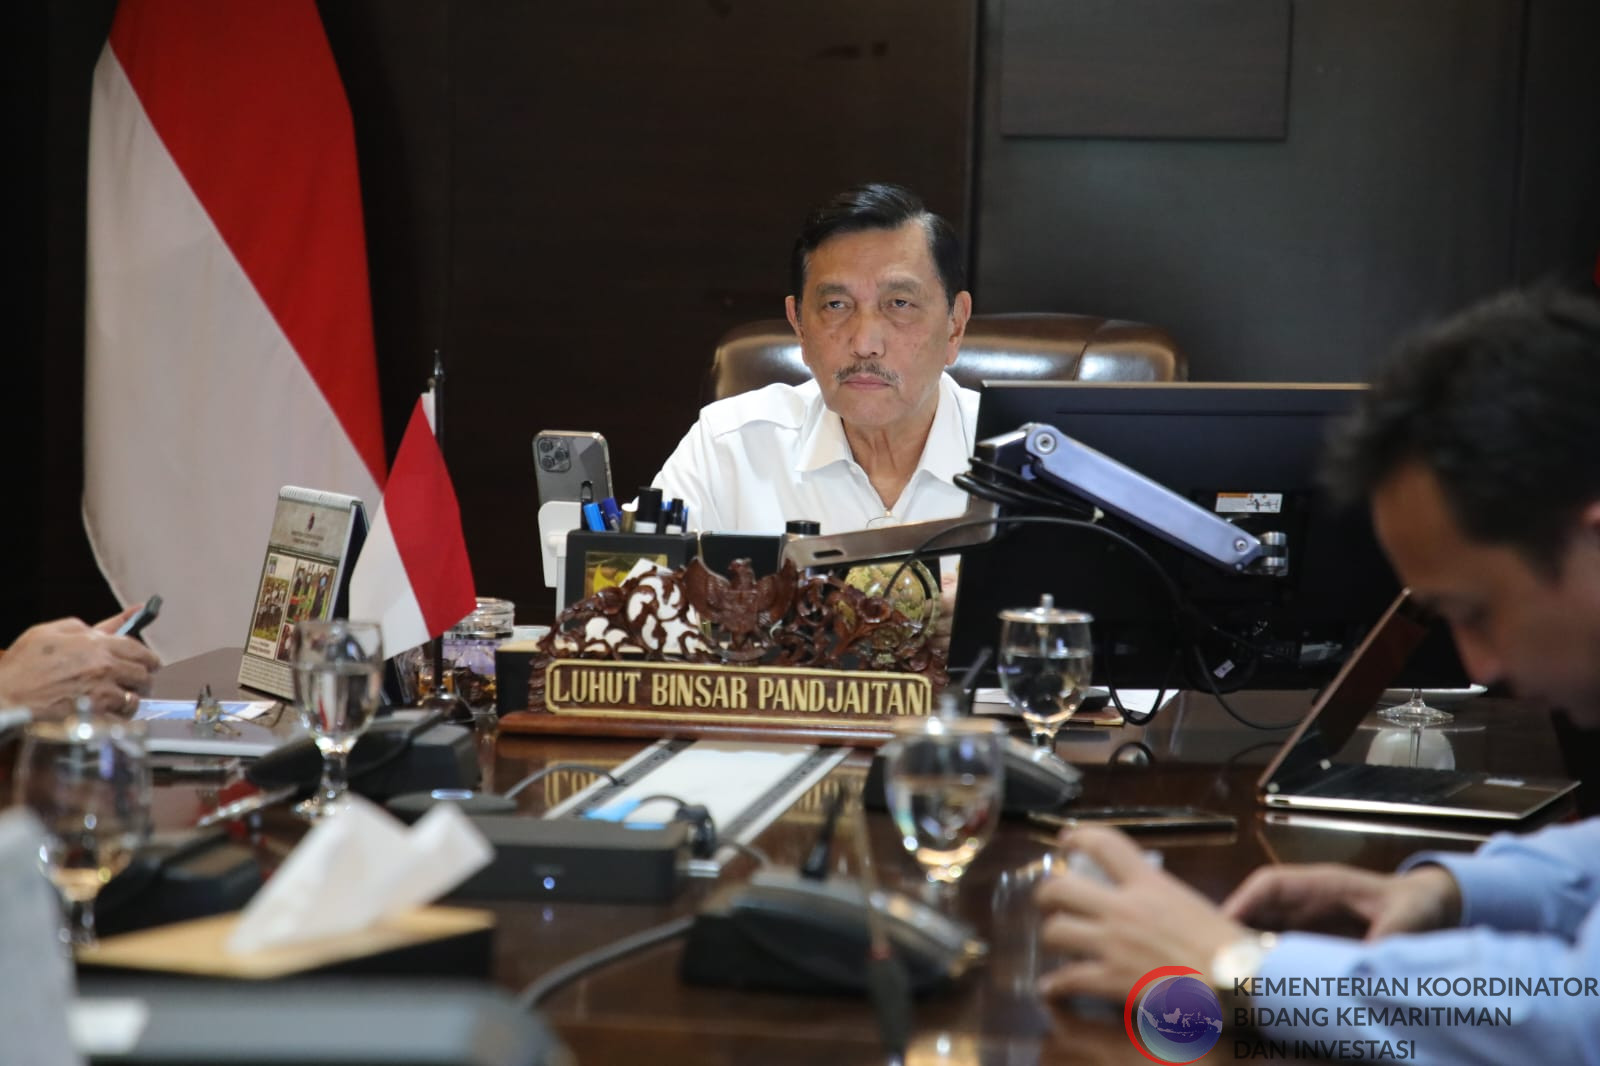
x=760 y=459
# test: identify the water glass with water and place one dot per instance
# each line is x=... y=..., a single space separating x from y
x=88 y=781
x=338 y=678
x=1046 y=661
x=943 y=779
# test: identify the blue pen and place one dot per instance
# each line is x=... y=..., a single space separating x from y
x=592 y=519
x=611 y=513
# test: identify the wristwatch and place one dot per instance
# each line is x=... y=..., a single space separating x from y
x=1236 y=962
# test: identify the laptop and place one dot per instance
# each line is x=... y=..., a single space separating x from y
x=1304 y=776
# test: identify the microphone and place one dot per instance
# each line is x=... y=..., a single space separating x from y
x=392 y=757
x=888 y=983
x=820 y=857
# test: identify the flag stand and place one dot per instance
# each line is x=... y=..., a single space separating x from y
x=441 y=701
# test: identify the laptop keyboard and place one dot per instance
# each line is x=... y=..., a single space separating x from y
x=1388 y=784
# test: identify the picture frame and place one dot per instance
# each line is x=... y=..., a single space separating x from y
x=313 y=543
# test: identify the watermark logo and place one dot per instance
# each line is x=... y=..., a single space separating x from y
x=1172 y=1015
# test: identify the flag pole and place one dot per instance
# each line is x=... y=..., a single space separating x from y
x=450 y=704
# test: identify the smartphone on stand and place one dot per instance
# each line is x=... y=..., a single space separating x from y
x=564 y=459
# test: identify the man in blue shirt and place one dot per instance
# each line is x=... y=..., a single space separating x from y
x=1477 y=449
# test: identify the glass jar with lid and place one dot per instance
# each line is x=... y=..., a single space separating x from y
x=469 y=647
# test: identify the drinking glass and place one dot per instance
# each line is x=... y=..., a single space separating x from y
x=338 y=675
x=1415 y=711
x=87 y=780
x=943 y=780
x=1046 y=660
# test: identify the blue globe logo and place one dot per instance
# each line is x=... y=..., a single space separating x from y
x=1179 y=1018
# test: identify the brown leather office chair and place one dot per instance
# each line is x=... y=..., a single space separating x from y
x=1016 y=347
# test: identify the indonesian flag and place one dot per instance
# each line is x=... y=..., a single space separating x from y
x=413 y=575
x=229 y=329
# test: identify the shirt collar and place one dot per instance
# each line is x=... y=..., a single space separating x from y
x=946 y=454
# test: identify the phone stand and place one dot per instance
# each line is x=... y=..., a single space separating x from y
x=556 y=519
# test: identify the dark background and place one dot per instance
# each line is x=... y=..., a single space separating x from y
x=574 y=201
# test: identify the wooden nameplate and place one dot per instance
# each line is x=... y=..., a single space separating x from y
x=197 y=948
x=642 y=698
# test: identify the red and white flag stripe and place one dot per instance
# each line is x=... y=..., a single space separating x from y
x=413 y=575
x=229 y=331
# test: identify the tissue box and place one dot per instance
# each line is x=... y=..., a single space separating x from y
x=427 y=941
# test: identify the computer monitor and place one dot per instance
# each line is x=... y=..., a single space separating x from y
x=1248 y=451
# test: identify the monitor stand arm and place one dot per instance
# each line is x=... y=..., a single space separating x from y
x=973 y=526
x=1041 y=452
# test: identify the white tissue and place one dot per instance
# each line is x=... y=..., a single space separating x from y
x=357 y=868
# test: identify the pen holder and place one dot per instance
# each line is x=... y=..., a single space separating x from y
x=597 y=561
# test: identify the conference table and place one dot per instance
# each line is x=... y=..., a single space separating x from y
x=1191 y=753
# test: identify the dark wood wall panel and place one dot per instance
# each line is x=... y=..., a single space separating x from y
x=574 y=201
x=1391 y=198
x=1143 y=68
x=571 y=201
x=395 y=64
x=628 y=179
x=1558 y=187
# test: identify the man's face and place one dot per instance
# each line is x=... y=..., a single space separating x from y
x=876 y=329
x=1511 y=622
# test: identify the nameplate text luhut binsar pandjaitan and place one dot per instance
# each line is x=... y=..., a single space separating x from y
x=733 y=695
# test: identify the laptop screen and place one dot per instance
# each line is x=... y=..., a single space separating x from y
x=1354 y=691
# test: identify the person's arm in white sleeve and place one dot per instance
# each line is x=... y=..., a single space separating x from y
x=692 y=474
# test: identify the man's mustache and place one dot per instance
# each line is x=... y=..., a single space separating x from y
x=871 y=370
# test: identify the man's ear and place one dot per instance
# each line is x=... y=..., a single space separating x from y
x=791 y=309
x=960 y=314
x=1589 y=520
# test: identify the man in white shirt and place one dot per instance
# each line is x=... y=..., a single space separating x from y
x=880 y=431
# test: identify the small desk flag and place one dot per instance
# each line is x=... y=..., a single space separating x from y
x=413 y=575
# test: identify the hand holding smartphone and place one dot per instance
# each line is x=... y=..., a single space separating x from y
x=141 y=618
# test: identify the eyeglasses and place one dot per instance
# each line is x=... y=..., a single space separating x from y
x=883 y=520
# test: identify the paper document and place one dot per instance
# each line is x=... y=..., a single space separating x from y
x=153 y=709
x=172 y=730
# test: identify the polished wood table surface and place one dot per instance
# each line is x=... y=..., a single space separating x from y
x=1191 y=754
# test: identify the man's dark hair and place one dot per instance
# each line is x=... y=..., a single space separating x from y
x=1502 y=404
x=878 y=206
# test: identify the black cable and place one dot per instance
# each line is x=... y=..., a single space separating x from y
x=540 y=989
x=598 y=771
x=1032 y=497
x=968 y=684
x=820 y=858
x=1216 y=694
x=1180 y=606
x=1183 y=608
x=407 y=739
x=703 y=836
x=1142 y=717
x=1179 y=603
x=1014 y=487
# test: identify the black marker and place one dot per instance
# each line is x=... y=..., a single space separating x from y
x=672 y=517
x=647 y=519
